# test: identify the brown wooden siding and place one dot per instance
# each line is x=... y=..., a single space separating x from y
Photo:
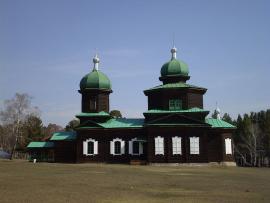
x=195 y=100
x=212 y=147
x=104 y=137
x=65 y=151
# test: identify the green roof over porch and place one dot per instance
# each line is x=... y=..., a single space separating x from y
x=119 y=123
x=218 y=123
x=40 y=145
x=123 y=123
x=65 y=135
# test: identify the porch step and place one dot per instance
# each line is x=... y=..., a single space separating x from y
x=137 y=162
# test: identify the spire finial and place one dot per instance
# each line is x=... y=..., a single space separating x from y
x=174 y=51
x=96 y=62
x=218 y=112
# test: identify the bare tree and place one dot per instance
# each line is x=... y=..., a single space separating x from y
x=12 y=116
x=50 y=129
x=250 y=146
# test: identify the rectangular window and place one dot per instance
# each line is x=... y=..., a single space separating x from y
x=159 y=145
x=228 y=146
x=194 y=145
x=175 y=104
x=176 y=145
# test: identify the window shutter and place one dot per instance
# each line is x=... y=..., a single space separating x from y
x=130 y=147
x=156 y=146
x=174 y=145
x=96 y=147
x=228 y=146
x=197 y=145
x=122 y=147
x=112 y=147
x=161 y=145
x=84 y=147
x=179 y=145
x=140 y=148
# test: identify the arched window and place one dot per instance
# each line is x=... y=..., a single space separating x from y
x=90 y=147
x=117 y=147
x=136 y=147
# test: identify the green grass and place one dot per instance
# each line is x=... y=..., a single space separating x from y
x=21 y=181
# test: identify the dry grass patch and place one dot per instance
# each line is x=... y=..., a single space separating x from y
x=21 y=181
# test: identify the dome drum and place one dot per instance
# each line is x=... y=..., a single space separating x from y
x=174 y=78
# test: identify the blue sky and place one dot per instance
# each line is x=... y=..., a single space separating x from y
x=46 y=47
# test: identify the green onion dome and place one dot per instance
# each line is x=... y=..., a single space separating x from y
x=174 y=67
x=95 y=79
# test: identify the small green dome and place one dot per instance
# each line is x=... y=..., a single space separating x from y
x=95 y=80
x=174 y=67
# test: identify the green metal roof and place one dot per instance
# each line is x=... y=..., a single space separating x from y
x=95 y=80
x=139 y=123
x=174 y=86
x=174 y=67
x=40 y=145
x=192 y=110
x=218 y=123
x=123 y=123
x=101 y=113
x=120 y=123
x=66 y=135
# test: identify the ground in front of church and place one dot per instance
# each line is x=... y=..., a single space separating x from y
x=22 y=181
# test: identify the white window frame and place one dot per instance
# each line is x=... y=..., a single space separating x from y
x=228 y=146
x=85 y=147
x=112 y=146
x=159 y=145
x=130 y=147
x=194 y=145
x=176 y=145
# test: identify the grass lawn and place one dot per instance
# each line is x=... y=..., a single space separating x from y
x=21 y=181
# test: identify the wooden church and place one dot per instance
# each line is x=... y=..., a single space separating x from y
x=174 y=128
